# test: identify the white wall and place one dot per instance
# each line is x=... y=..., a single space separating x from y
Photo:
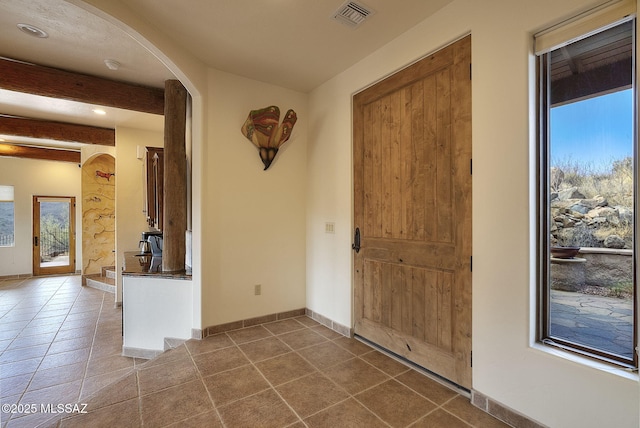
x=36 y=177
x=552 y=389
x=253 y=220
x=131 y=220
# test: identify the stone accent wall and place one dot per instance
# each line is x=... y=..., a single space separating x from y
x=98 y=213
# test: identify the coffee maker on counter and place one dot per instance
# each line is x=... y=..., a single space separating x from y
x=151 y=243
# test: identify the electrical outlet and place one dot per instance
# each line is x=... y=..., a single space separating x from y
x=257 y=289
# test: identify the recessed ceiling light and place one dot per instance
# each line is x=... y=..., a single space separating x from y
x=99 y=111
x=33 y=31
x=112 y=64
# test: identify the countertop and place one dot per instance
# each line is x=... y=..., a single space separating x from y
x=136 y=264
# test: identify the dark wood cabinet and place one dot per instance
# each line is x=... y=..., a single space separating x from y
x=154 y=172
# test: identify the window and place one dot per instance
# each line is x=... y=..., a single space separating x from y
x=587 y=191
x=6 y=216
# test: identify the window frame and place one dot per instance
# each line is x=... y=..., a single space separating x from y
x=13 y=202
x=543 y=226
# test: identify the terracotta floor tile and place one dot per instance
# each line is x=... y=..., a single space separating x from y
x=283 y=326
x=45 y=321
x=326 y=332
x=438 y=419
x=326 y=354
x=234 y=384
x=204 y=420
x=33 y=331
x=427 y=387
x=302 y=338
x=98 y=366
x=19 y=315
x=264 y=348
x=28 y=421
x=48 y=312
x=116 y=392
x=76 y=333
x=11 y=355
x=355 y=375
x=31 y=341
x=208 y=344
x=70 y=344
x=56 y=376
x=311 y=394
x=163 y=376
x=65 y=358
x=93 y=384
x=265 y=410
x=82 y=306
x=20 y=367
x=121 y=415
x=175 y=404
x=237 y=370
x=352 y=345
x=395 y=404
x=284 y=368
x=9 y=385
x=305 y=320
x=4 y=344
x=171 y=355
x=347 y=414
x=5 y=415
x=86 y=317
x=218 y=361
x=248 y=334
x=384 y=363
x=6 y=334
x=57 y=394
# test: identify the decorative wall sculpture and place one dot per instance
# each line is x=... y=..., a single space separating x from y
x=262 y=129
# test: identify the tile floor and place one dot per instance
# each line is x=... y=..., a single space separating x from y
x=59 y=343
x=290 y=373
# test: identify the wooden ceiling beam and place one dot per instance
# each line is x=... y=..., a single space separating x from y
x=58 y=131
x=51 y=82
x=39 y=153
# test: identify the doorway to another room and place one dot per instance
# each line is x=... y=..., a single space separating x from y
x=54 y=242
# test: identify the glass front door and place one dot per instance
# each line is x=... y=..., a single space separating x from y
x=53 y=235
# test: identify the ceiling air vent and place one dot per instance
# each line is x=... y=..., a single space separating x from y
x=352 y=14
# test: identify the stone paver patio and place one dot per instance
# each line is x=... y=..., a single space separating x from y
x=605 y=323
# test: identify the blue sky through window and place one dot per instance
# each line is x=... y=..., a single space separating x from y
x=593 y=132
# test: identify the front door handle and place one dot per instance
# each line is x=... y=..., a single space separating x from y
x=356 y=241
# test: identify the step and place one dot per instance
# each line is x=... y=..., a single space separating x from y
x=109 y=271
x=102 y=283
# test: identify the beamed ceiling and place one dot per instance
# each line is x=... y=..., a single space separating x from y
x=295 y=45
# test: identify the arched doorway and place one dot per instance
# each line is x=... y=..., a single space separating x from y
x=98 y=214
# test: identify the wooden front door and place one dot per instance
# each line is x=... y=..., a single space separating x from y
x=412 y=184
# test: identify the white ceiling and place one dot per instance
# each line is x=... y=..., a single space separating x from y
x=291 y=43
